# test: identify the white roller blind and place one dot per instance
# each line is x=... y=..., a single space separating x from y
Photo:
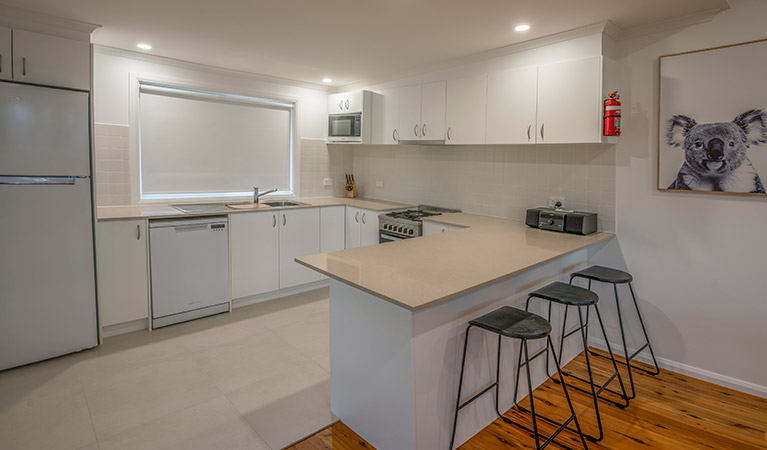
x=203 y=143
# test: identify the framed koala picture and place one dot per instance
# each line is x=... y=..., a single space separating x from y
x=712 y=120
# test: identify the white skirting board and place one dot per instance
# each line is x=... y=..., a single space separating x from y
x=685 y=369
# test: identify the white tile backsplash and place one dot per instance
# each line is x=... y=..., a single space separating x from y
x=319 y=161
x=112 y=175
x=501 y=181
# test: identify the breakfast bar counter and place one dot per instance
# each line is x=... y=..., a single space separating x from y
x=399 y=311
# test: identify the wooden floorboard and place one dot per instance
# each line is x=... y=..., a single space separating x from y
x=671 y=411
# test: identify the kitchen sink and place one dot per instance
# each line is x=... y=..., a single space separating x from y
x=201 y=207
x=284 y=203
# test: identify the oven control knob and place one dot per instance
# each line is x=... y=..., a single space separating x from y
x=386 y=227
x=551 y=221
x=410 y=232
x=399 y=229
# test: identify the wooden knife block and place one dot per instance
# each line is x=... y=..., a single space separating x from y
x=351 y=189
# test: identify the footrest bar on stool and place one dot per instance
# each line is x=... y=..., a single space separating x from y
x=562 y=426
x=477 y=395
x=535 y=355
x=572 y=332
x=633 y=366
x=601 y=389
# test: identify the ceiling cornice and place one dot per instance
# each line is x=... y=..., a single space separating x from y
x=47 y=24
x=207 y=68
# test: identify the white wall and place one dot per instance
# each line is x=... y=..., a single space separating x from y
x=698 y=260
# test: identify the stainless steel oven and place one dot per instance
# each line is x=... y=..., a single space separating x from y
x=345 y=127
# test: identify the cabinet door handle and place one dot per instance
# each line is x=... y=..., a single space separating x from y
x=274 y=221
x=284 y=220
x=357 y=217
x=415 y=130
x=347 y=103
x=363 y=218
x=395 y=136
x=449 y=133
x=24 y=66
x=528 y=132
x=423 y=130
x=542 y=125
x=138 y=232
x=1 y=63
x=341 y=105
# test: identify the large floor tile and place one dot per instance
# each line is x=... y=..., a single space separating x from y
x=214 y=424
x=283 y=311
x=311 y=336
x=46 y=377
x=92 y=446
x=135 y=397
x=288 y=406
x=58 y=420
x=246 y=361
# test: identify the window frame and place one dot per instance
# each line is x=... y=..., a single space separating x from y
x=138 y=198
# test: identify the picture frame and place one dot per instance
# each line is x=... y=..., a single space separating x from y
x=712 y=120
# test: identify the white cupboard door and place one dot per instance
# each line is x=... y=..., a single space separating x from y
x=409 y=113
x=332 y=229
x=353 y=101
x=385 y=109
x=51 y=60
x=433 y=98
x=511 y=106
x=5 y=54
x=122 y=271
x=465 y=111
x=369 y=234
x=254 y=243
x=569 y=101
x=430 y=228
x=299 y=236
x=353 y=226
x=336 y=103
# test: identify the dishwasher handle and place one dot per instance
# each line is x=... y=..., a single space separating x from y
x=191 y=227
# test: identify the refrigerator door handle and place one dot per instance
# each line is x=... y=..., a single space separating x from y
x=53 y=181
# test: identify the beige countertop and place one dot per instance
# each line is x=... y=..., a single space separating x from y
x=421 y=272
x=168 y=212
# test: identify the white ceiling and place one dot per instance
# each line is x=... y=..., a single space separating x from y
x=347 y=40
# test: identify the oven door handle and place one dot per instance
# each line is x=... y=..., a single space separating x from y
x=386 y=237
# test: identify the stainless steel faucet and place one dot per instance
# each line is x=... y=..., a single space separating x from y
x=257 y=195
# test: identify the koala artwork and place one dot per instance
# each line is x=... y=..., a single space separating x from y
x=715 y=153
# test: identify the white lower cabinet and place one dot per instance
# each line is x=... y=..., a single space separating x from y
x=123 y=283
x=436 y=228
x=299 y=236
x=361 y=227
x=332 y=229
x=254 y=252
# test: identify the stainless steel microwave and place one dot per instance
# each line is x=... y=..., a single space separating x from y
x=345 y=127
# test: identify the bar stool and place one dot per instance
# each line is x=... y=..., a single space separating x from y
x=522 y=325
x=616 y=277
x=569 y=295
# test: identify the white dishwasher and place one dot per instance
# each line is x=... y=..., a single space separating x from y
x=189 y=267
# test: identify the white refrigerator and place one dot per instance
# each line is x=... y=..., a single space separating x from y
x=47 y=275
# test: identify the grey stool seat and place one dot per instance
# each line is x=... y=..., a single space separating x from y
x=514 y=323
x=566 y=294
x=604 y=275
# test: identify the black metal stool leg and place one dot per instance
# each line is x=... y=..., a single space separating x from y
x=623 y=393
x=460 y=385
x=647 y=339
x=498 y=377
x=569 y=403
x=623 y=338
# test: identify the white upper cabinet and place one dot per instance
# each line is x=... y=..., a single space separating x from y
x=5 y=54
x=465 y=111
x=512 y=96
x=299 y=236
x=569 y=101
x=421 y=112
x=51 y=60
x=385 y=110
x=123 y=282
x=433 y=99
x=345 y=102
x=409 y=113
x=254 y=242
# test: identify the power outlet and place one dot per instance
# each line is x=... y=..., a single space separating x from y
x=327 y=181
x=379 y=184
x=556 y=202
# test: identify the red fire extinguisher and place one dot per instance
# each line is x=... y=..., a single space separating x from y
x=612 y=115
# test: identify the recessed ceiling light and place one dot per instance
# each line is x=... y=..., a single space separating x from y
x=522 y=28
x=144 y=46
x=327 y=80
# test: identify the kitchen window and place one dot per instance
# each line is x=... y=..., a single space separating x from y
x=195 y=143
